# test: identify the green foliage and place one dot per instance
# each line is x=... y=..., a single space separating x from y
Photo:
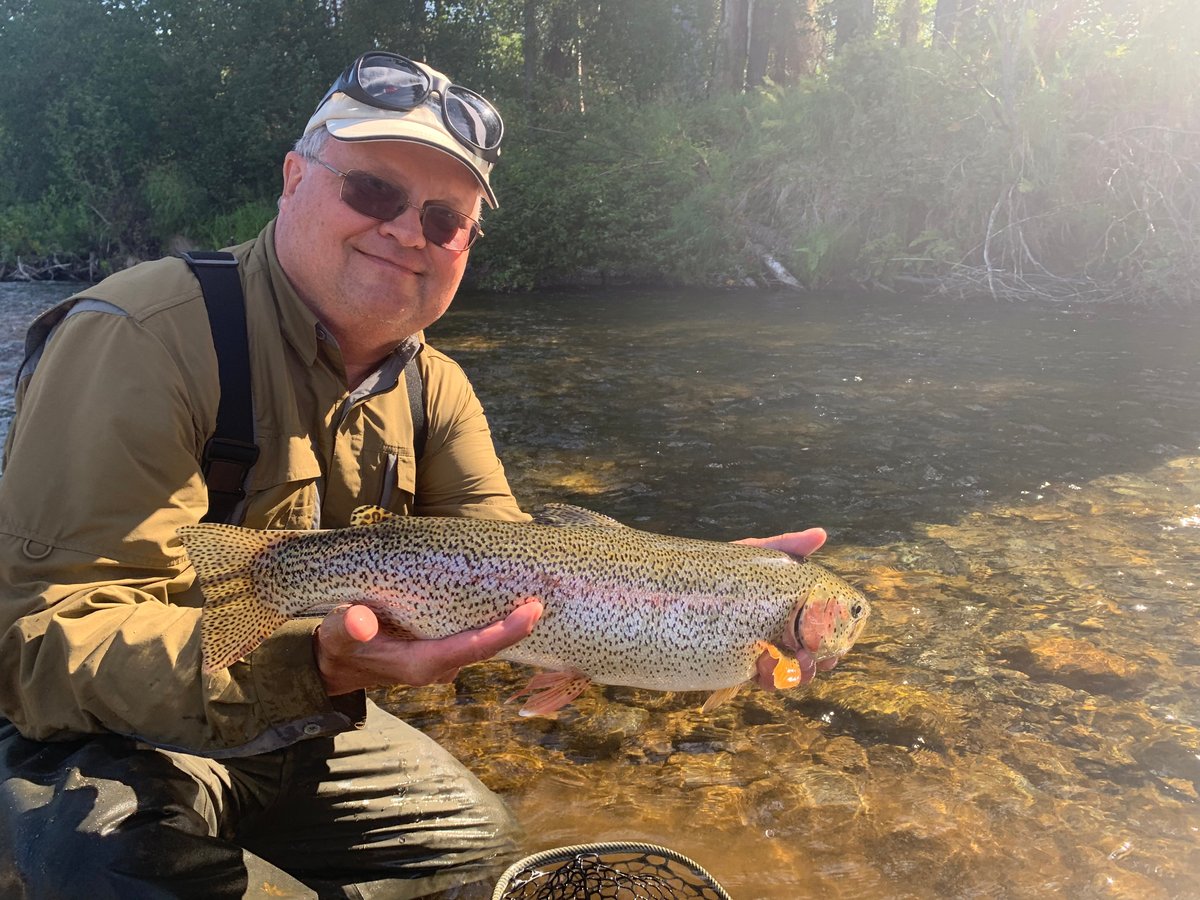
x=50 y=227
x=596 y=193
x=174 y=199
x=1047 y=141
x=228 y=228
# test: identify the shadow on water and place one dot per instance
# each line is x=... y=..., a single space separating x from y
x=1018 y=490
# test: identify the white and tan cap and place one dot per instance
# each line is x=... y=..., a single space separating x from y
x=348 y=119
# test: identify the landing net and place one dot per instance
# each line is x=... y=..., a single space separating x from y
x=611 y=871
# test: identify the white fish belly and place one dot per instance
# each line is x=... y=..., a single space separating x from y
x=678 y=644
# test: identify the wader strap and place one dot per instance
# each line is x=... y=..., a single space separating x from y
x=416 y=402
x=231 y=452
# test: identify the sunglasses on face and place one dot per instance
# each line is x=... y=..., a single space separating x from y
x=379 y=199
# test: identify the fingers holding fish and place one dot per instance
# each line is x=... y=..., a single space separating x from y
x=794 y=543
x=824 y=665
x=353 y=652
x=361 y=623
x=799 y=544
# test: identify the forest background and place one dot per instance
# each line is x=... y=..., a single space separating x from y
x=1027 y=148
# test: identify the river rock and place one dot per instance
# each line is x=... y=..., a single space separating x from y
x=1073 y=662
x=602 y=733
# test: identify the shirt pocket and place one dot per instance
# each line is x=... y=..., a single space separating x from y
x=284 y=488
x=398 y=479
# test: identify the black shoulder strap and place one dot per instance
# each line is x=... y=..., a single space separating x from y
x=416 y=402
x=231 y=452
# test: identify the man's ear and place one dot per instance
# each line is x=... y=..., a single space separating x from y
x=294 y=166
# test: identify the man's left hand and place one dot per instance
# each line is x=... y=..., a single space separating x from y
x=800 y=544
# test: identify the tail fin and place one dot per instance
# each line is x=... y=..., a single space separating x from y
x=237 y=616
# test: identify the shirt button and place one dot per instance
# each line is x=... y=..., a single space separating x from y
x=312 y=729
x=321 y=335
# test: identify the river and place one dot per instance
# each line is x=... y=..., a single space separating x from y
x=1016 y=487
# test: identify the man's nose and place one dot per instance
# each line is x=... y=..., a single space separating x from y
x=406 y=228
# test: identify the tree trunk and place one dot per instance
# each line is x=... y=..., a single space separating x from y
x=909 y=22
x=806 y=46
x=579 y=57
x=945 y=19
x=784 y=42
x=1052 y=27
x=763 y=36
x=735 y=34
x=531 y=50
x=855 y=19
x=558 y=57
x=417 y=22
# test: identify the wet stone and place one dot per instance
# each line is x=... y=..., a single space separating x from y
x=602 y=733
x=1074 y=663
x=684 y=770
x=842 y=753
x=936 y=556
x=1169 y=759
x=832 y=790
x=509 y=771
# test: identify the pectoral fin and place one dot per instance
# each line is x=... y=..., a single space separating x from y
x=716 y=698
x=549 y=692
x=787 y=670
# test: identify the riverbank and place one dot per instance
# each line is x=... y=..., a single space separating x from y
x=960 y=281
x=88 y=269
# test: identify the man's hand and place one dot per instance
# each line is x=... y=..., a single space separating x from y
x=353 y=654
x=795 y=543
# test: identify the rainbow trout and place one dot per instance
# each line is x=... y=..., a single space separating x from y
x=621 y=606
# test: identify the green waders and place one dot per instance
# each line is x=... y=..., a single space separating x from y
x=378 y=812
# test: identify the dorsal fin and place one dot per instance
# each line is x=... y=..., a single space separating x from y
x=565 y=514
x=371 y=515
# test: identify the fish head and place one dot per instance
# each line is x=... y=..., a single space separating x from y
x=827 y=619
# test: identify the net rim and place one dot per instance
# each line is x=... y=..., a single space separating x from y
x=561 y=854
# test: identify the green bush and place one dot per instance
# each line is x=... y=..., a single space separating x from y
x=1068 y=152
x=239 y=224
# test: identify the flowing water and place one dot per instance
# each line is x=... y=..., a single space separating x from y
x=1018 y=490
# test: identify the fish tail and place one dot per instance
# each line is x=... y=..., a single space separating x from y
x=238 y=614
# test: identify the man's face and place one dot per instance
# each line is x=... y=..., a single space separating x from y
x=371 y=283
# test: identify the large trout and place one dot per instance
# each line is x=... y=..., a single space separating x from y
x=621 y=606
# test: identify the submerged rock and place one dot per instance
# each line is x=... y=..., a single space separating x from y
x=1073 y=662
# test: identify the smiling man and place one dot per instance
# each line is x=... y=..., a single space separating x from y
x=125 y=771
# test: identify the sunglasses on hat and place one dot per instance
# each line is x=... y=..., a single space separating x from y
x=372 y=196
x=389 y=81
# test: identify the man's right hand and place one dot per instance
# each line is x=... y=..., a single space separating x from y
x=352 y=653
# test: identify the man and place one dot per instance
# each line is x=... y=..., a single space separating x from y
x=125 y=772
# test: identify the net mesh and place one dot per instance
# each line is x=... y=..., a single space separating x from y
x=615 y=871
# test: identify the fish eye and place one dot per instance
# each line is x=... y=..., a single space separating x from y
x=856 y=610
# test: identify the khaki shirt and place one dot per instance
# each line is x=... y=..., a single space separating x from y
x=99 y=610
